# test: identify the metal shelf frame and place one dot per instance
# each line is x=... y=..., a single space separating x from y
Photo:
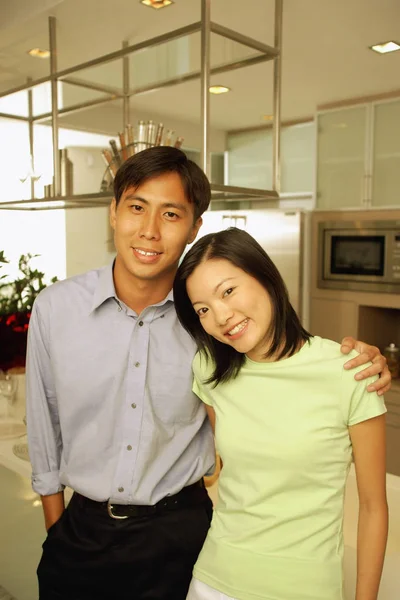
x=205 y=26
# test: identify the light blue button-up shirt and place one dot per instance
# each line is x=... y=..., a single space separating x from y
x=110 y=407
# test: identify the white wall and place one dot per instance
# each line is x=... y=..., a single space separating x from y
x=35 y=232
x=87 y=230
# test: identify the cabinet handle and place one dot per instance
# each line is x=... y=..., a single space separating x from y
x=363 y=188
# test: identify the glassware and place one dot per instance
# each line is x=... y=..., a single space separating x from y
x=8 y=390
x=392 y=355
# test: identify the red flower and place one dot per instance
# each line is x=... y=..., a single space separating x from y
x=11 y=319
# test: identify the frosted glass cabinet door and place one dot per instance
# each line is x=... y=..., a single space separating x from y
x=386 y=170
x=341 y=158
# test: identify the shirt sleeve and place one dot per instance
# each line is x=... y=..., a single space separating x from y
x=358 y=404
x=201 y=372
x=43 y=424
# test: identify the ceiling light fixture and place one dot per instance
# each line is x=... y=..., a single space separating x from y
x=268 y=117
x=156 y=3
x=38 y=53
x=219 y=89
x=385 y=47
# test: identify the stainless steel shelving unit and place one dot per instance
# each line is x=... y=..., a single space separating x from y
x=205 y=27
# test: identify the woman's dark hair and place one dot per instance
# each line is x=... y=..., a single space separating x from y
x=244 y=252
x=158 y=160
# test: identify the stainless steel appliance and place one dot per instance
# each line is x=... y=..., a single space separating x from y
x=360 y=256
x=282 y=234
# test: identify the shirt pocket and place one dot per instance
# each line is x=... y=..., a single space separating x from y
x=171 y=396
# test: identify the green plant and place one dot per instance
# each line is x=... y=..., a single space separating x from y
x=18 y=296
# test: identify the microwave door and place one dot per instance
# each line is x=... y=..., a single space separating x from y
x=357 y=256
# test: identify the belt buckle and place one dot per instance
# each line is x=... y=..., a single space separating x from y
x=111 y=514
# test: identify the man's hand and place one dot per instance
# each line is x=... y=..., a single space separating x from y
x=53 y=508
x=368 y=354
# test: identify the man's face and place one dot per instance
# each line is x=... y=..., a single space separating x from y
x=152 y=225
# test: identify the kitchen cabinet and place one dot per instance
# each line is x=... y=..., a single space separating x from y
x=386 y=154
x=358 y=156
x=341 y=158
x=250 y=158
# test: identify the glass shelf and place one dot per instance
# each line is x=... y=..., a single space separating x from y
x=77 y=201
x=218 y=192
x=176 y=63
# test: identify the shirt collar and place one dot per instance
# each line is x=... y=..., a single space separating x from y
x=105 y=289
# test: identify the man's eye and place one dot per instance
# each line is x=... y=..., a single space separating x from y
x=171 y=215
x=137 y=207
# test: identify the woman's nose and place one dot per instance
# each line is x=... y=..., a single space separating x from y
x=222 y=314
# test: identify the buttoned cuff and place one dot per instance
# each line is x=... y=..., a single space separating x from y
x=46 y=484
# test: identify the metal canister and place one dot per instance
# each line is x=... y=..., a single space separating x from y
x=392 y=354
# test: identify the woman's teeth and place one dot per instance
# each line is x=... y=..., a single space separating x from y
x=238 y=327
x=143 y=253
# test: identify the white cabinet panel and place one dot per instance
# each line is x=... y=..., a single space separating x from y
x=250 y=158
x=386 y=159
x=341 y=158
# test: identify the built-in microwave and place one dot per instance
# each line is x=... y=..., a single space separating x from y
x=360 y=255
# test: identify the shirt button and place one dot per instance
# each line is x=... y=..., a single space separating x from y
x=133 y=405
x=129 y=447
x=140 y=323
x=120 y=489
x=137 y=364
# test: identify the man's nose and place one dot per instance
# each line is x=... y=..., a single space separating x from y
x=150 y=229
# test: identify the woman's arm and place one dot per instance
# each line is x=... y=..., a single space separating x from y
x=368 y=354
x=211 y=416
x=368 y=440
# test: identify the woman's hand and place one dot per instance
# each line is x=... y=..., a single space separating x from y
x=368 y=354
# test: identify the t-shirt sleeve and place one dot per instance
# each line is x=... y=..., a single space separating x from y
x=201 y=372
x=358 y=404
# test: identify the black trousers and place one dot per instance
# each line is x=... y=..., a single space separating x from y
x=87 y=555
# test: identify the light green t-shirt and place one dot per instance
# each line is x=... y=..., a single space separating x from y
x=282 y=433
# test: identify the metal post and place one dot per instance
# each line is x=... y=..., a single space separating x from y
x=30 y=130
x=276 y=129
x=205 y=85
x=125 y=84
x=54 y=105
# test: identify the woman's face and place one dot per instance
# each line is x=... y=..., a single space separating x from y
x=233 y=307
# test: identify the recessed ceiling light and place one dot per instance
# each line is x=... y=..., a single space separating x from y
x=385 y=47
x=219 y=89
x=38 y=53
x=156 y=3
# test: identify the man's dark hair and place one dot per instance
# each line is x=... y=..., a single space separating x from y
x=159 y=160
x=242 y=250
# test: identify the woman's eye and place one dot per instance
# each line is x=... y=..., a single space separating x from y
x=228 y=291
x=202 y=311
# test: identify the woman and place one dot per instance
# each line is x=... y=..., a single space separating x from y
x=288 y=419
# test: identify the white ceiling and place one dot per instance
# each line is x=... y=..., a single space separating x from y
x=325 y=50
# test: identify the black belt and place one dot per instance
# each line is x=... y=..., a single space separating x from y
x=191 y=495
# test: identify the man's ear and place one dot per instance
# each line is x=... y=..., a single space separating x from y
x=113 y=213
x=195 y=230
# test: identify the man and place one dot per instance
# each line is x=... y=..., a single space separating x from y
x=110 y=409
